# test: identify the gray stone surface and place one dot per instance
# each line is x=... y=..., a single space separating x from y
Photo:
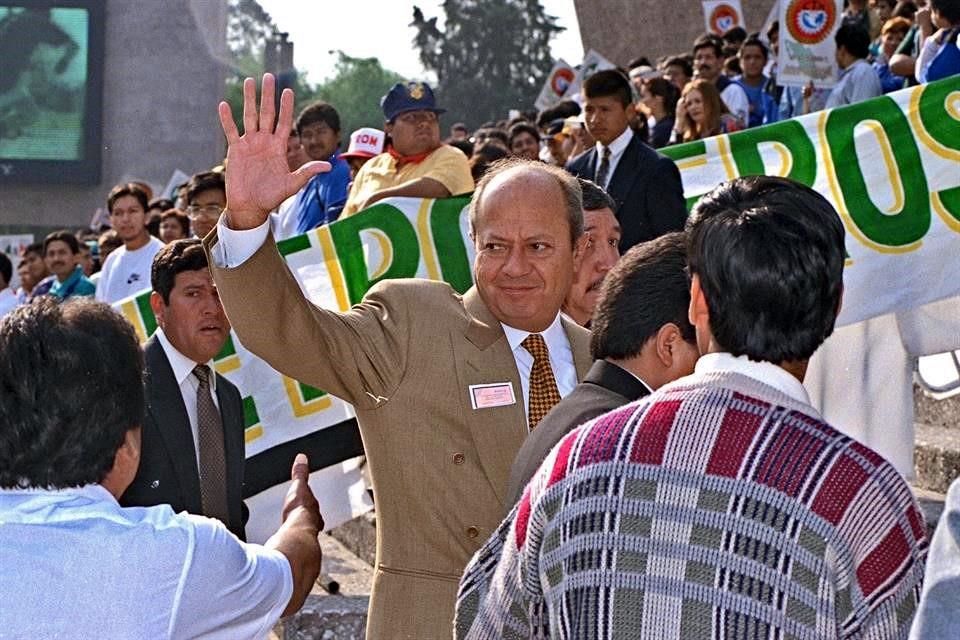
x=164 y=74
x=939 y=413
x=936 y=456
x=359 y=536
x=342 y=616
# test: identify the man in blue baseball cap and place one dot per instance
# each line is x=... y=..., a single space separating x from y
x=416 y=163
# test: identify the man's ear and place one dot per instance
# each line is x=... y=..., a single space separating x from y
x=699 y=311
x=666 y=341
x=156 y=304
x=580 y=248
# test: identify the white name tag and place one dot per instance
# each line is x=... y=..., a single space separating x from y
x=497 y=394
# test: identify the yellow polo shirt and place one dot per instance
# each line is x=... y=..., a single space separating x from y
x=447 y=165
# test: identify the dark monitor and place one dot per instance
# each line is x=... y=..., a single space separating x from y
x=51 y=87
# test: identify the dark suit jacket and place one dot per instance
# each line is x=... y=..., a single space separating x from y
x=168 y=460
x=605 y=388
x=647 y=189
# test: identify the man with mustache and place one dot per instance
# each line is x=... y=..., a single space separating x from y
x=192 y=454
x=708 y=64
x=601 y=253
x=61 y=251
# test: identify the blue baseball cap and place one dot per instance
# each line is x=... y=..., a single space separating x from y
x=409 y=96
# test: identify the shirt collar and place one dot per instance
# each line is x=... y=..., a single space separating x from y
x=552 y=335
x=765 y=372
x=618 y=146
x=182 y=365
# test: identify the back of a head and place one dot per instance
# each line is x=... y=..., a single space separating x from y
x=57 y=358
x=6 y=270
x=854 y=38
x=949 y=10
x=645 y=290
x=609 y=83
x=769 y=255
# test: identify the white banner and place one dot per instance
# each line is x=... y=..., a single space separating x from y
x=807 y=47
x=592 y=62
x=719 y=16
x=556 y=85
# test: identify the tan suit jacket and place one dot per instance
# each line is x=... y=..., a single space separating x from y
x=405 y=357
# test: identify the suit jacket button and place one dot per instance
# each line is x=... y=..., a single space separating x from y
x=154 y=484
x=458 y=458
x=473 y=532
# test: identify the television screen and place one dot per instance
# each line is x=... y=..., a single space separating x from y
x=51 y=79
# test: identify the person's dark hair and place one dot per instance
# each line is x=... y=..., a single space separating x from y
x=572 y=195
x=315 y=112
x=708 y=40
x=6 y=269
x=459 y=126
x=204 y=181
x=178 y=256
x=769 y=255
x=949 y=10
x=161 y=203
x=463 y=144
x=905 y=9
x=854 y=38
x=754 y=41
x=680 y=61
x=484 y=156
x=153 y=224
x=645 y=290
x=594 y=197
x=33 y=247
x=62 y=236
x=642 y=61
x=487 y=133
x=609 y=83
x=522 y=127
x=735 y=35
x=89 y=354
x=731 y=66
x=668 y=91
x=774 y=28
x=127 y=189
x=180 y=217
x=108 y=241
x=561 y=110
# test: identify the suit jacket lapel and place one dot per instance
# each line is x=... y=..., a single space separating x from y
x=579 y=345
x=165 y=405
x=616 y=379
x=233 y=442
x=626 y=173
x=484 y=357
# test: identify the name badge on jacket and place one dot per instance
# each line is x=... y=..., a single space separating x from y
x=496 y=394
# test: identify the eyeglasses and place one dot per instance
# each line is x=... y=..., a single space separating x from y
x=195 y=211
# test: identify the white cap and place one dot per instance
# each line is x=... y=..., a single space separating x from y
x=365 y=143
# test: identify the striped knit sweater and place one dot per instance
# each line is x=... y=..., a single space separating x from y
x=717 y=508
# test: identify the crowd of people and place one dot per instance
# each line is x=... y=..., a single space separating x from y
x=606 y=436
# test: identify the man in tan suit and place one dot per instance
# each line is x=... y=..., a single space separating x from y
x=445 y=386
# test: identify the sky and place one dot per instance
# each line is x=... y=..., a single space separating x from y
x=378 y=28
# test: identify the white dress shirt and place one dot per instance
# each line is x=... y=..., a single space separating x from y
x=561 y=358
x=765 y=372
x=189 y=384
x=617 y=147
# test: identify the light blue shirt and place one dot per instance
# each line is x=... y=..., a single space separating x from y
x=78 y=565
x=858 y=82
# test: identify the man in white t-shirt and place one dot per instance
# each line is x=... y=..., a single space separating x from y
x=127 y=270
x=75 y=563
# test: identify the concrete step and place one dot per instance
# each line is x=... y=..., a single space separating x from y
x=939 y=413
x=936 y=456
x=359 y=536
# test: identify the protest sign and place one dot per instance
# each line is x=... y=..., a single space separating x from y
x=722 y=15
x=555 y=86
x=592 y=62
x=889 y=166
x=807 y=48
x=12 y=246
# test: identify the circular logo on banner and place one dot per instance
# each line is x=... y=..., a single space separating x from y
x=810 y=21
x=560 y=81
x=723 y=18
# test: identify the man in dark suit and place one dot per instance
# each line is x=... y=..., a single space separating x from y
x=641 y=340
x=645 y=185
x=192 y=455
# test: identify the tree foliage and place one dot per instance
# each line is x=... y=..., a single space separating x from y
x=355 y=90
x=490 y=57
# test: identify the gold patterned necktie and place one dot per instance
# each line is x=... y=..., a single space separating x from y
x=543 y=386
x=213 y=461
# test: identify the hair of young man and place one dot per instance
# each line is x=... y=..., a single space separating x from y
x=679 y=61
x=708 y=40
x=735 y=34
x=563 y=109
x=855 y=39
x=204 y=181
x=773 y=28
x=182 y=219
x=483 y=157
x=904 y=9
x=569 y=186
x=522 y=127
x=463 y=144
x=127 y=189
x=645 y=290
x=609 y=83
x=486 y=133
x=33 y=247
x=6 y=269
x=769 y=253
x=594 y=197
x=949 y=10
x=315 y=112
x=161 y=203
x=62 y=236
x=666 y=90
x=108 y=241
x=59 y=358
x=754 y=41
x=178 y=256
